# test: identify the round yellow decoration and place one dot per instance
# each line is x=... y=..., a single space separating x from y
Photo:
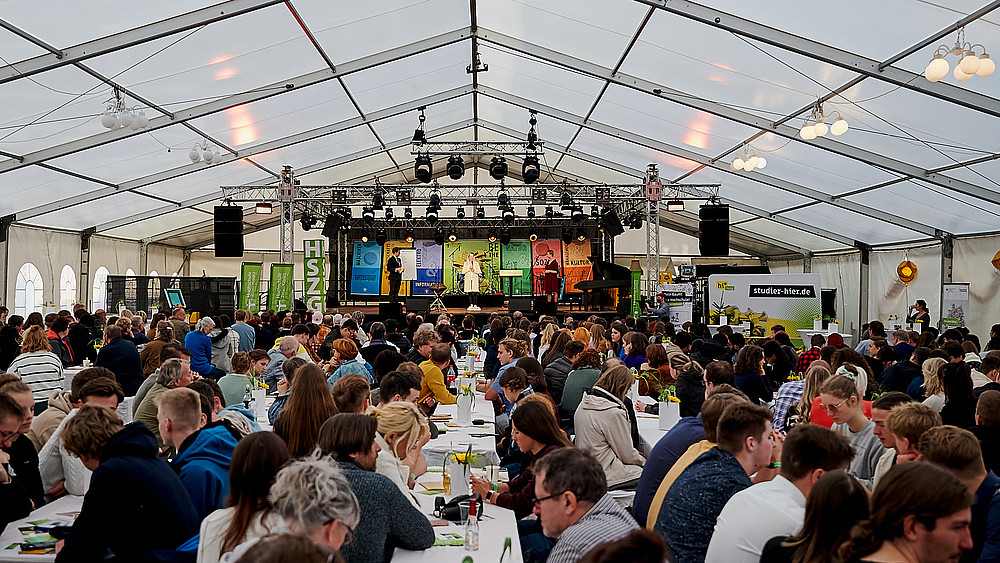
x=907 y=271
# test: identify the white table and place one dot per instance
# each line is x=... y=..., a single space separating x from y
x=807 y=334
x=458 y=438
x=50 y=511
x=68 y=375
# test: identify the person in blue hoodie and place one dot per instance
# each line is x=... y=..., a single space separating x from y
x=200 y=345
x=203 y=453
x=132 y=492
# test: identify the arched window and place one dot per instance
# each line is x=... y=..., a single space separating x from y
x=28 y=290
x=101 y=289
x=67 y=288
x=153 y=287
x=130 y=272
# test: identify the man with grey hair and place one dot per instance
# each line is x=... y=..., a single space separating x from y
x=178 y=320
x=174 y=373
x=199 y=344
x=287 y=348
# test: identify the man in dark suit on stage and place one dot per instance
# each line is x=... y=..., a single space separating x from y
x=395 y=268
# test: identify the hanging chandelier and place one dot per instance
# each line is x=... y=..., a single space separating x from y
x=746 y=162
x=969 y=62
x=815 y=125
x=117 y=115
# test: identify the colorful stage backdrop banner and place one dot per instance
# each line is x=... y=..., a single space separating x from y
x=576 y=263
x=516 y=256
x=250 y=286
x=404 y=287
x=792 y=300
x=313 y=267
x=539 y=260
x=428 y=266
x=279 y=287
x=488 y=254
x=366 y=268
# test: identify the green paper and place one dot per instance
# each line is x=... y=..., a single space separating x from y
x=439 y=541
x=431 y=492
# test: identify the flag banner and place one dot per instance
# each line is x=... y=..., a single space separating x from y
x=539 y=248
x=576 y=264
x=250 y=286
x=486 y=252
x=516 y=256
x=366 y=268
x=429 y=254
x=279 y=287
x=313 y=265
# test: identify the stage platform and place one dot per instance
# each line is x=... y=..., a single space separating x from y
x=371 y=311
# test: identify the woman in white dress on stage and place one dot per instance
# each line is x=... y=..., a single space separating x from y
x=473 y=275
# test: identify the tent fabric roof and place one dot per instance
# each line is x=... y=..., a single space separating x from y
x=333 y=91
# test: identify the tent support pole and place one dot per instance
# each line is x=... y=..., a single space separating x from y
x=863 y=293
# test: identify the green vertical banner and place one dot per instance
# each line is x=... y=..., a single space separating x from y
x=636 y=292
x=279 y=290
x=312 y=266
x=516 y=256
x=250 y=286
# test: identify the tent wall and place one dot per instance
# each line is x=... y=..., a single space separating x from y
x=887 y=295
x=972 y=264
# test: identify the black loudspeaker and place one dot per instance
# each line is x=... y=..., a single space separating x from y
x=332 y=224
x=390 y=311
x=713 y=230
x=522 y=304
x=228 y=231
x=419 y=305
x=611 y=223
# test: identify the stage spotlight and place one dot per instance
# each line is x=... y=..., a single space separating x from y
x=505 y=236
x=307 y=221
x=503 y=199
x=577 y=214
x=364 y=237
x=436 y=199
x=533 y=237
x=452 y=236
x=567 y=235
x=423 y=169
x=378 y=200
x=566 y=202
x=381 y=237
x=368 y=214
x=439 y=235
x=262 y=208
x=456 y=167
x=581 y=234
x=549 y=212
x=409 y=235
x=408 y=213
x=530 y=170
x=493 y=236
x=595 y=213
x=531 y=212
x=480 y=213
x=432 y=215
x=460 y=213
x=508 y=215
x=498 y=167
x=388 y=213
x=675 y=205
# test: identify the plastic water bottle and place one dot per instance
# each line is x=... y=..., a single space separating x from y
x=472 y=528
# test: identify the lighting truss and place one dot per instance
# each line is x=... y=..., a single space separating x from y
x=468 y=148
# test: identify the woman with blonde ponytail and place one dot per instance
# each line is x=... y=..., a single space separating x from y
x=400 y=429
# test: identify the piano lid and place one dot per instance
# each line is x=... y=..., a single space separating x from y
x=609 y=270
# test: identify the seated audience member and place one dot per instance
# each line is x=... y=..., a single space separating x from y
x=36 y=365
x=58 y=336
x=960 y=403
x=932 y=389
x=388 y=519
x=234 y=385
x=990 y=368
x=535 y=431
x=15 y=503
x=811 y=355
x=880 y=413
x=841 y=400
x=21 y=456
x=423 y=342
x=746 y=445
x=603 y=427
x=574 y=507
x=694 y=381
x=433 y=389
x=835 y=504
x=802 y=411
x=150 y=354
x=402 y=430
x=987 y=428
x=911 y=521
x=172 y=350
x=907 y=423
x=563 y=354
x=200 y=344
x=60 y=404
x=377 y=344
x=750 y=378
x=287 y=348
x=398 y=386
x=203 y=455
x=131 y=488
x=256 y=461
x=278 y=548
x=586 y=371
x=284 y=387
x=777 y=507
x=61 y=472
x=121 y=357
x=346 y=358
x=640 y=546
x=958 y=451
x=352 y=393
x=173 y=374
x=778 y=364
x=386 y=361
x=309 y=405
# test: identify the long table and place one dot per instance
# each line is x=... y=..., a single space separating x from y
x=51 y=511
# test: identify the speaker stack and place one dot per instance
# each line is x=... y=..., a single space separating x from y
x=228 y=231
x=713 y=230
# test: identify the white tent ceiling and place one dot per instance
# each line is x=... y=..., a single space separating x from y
x=332 y=89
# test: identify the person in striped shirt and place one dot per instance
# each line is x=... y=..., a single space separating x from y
x=37 y=366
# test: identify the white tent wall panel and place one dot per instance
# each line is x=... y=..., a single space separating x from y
x=843 y=273
x=49 y=251
x=164 y=260
x=972 y=264
x=889 y=296
x=785 y=266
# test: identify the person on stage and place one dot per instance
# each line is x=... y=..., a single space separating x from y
x=473 y=274
x=551 y=282
x=919 y=315
x=395 y=268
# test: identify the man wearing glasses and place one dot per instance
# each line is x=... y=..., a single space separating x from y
x=572 y=502
x=14 y=500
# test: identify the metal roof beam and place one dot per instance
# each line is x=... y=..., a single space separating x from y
x=134 y=185
x=831 y=55
x=745 y=118
x=708 y=161
x=264 y=92
x=125 y=39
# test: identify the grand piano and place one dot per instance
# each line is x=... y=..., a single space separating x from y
x=607 y=276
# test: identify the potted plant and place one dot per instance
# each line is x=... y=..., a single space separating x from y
x=457 y=472
x=670 y=407
x=465 y=400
